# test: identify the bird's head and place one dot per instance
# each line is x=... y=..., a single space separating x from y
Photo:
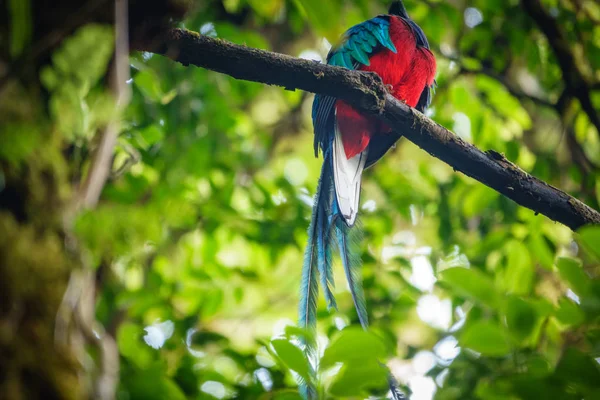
x=397 y=8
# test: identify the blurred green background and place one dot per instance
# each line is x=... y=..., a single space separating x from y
x=197 y=241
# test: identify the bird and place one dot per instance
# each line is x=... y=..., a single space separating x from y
x=396 y=48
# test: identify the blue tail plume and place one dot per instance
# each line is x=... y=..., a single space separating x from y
x=317 y=264
x=328 y=229
x=317 y=256
x=348 y=240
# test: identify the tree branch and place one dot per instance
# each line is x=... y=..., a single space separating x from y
x=366 y=92
x=573 y=76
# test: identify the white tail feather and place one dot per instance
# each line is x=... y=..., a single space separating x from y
x=347 y=174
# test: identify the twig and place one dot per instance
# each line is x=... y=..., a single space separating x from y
x=134 y=158
x=101 y=164
x=79 y=299
x=520 y=95
x=366 y=92
x=106 y=382
x=573 y=76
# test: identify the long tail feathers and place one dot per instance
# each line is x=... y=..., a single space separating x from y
x=309 y=289
x=348 y=240
x=326 y=227
x=317 y=263
x=307 y=309
x=393 y=384
x=323 y=230
x=317 y=256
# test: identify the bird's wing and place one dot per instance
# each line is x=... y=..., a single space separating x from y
x=428 y=91
x=357 y=45
x=380 y=144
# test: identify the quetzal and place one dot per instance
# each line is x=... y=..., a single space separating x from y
x=394 y=47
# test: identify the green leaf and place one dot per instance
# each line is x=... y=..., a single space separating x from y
x=152 y=383
x=472 y=283
x=149 y=135
x=518 y=277
x=538 y=367
x=84 y=57
x=521 y=318
x=292 y=357
x=266 y=8
x=487 y=338
x=323 y=16
x=460 y=97
x=77 y=66
x=540 y=250
x=353 y=379
x=212 y=302
x=503 y=101
x=578 y=368
x=478 y=200
x=287 y=394
x=295 y=332
x=589 y=237
x=569 y=313
x=131 y=345
x=231 y=6
x=18 y=141
x=354 y=346
x=571 y=271
x=149 y=84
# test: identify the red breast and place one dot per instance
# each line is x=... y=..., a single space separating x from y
x=407 y=71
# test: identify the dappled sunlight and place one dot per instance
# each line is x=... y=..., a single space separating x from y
x=404 y=244
x=473 y=17
x=422 y=276
x=264 y=358
x=214 y=388
x=369 y=205
x=157 y=334
x=462 y=126
x=412 y=373
x=447 y=350
x=208 y=28
x=311 y=54
x=435 y=312
x=280 y=325
x=422 y=388
x=264 y=377
x=189 y=342
x=422 y=362
x=305 y=197
x=295 y=171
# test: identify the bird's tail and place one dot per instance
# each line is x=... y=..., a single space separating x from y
x=317 y=265
x=348 y=240
x=327 y=226
x=317 y=256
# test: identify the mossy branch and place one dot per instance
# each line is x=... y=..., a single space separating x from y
x=366 y=92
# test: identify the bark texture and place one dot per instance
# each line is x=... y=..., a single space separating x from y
x=366 y=92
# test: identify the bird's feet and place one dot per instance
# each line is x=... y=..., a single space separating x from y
x=390 y=88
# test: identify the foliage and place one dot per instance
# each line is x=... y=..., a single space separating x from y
x=203 y=221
